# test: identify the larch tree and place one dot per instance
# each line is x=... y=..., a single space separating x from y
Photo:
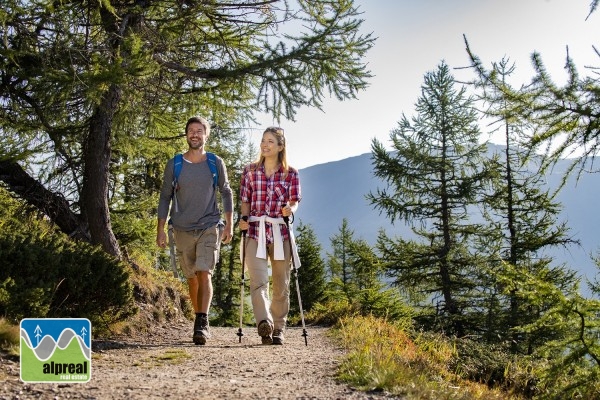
x=338 y=260
x=562 y=119
x=91 y=91
x=523 y=225
x=565 y=119
x=435 y=177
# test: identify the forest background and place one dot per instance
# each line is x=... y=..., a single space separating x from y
x=93 y=95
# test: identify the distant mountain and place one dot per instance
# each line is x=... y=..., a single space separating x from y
x=336 y=190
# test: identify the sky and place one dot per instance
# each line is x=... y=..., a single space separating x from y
x=413 y=38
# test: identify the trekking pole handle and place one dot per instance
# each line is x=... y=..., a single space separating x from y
x=287 y=219
x=245 y=218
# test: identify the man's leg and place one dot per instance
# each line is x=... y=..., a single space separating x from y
x=193 y=290
x=207 y=249
x=186 y=252
x=203 y=299
x=204 y=291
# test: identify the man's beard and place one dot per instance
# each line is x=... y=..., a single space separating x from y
x=195 y=146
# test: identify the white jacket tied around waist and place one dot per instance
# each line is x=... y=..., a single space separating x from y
x=261 y=251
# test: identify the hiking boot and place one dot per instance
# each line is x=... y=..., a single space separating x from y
x=201 y=329
x=278 y=336
x=265 y=329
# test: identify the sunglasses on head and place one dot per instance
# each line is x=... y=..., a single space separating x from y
x=275 y=129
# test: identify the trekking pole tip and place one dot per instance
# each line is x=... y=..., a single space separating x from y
x=305 y=334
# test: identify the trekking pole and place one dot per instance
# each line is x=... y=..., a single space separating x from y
x=172 y=251
x=287 y=223
x=240 y=334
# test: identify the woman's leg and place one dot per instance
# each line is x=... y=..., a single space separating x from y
x=258 y=271
x=280 y=304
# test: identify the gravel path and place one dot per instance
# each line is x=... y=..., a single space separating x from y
x=165 y=364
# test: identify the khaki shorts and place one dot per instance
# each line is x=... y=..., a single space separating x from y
x=198 y=250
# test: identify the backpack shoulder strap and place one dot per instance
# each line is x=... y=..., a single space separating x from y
x=177 y=164
x=212 y=164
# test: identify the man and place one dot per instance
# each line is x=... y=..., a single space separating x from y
x=196 y=218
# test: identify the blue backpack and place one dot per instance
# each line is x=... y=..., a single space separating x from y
x=178 y=163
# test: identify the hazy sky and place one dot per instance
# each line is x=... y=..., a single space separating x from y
x=414 y=36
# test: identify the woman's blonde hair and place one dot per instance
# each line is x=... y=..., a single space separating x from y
x=282 y=155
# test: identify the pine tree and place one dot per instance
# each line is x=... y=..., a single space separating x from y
x=435 y=177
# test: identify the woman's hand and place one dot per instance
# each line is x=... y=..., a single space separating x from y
x=286 y=210
x=243 y=224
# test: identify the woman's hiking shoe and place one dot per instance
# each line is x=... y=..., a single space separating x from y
x=278 y=336
x=201 y=332
x=265 y=329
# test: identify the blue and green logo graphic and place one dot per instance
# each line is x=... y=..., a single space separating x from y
x=56 y=350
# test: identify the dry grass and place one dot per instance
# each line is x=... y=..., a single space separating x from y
x=9 y=337
x=384 y=357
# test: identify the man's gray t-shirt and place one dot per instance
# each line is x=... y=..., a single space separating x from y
x=196 y=197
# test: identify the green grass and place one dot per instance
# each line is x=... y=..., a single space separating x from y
x=169 y=357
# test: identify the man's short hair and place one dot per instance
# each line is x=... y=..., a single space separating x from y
x=198 y=120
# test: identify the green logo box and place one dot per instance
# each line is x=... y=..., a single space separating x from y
x=56 y=350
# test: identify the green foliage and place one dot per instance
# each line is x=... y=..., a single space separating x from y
x=330 y=312
x=45 y=274
x=562 y=117
x=311 y=274
x=434 y=176
x=49 y=276
x=352 y=261
x=493 y=366
x=572 y=369
x=374 y=301
x=523 y=224
x=99 y=123
x=227 y=289
x=564 y=336
x=354 y=287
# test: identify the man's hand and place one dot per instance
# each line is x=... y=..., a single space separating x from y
x=227 y=234
x=161 y=239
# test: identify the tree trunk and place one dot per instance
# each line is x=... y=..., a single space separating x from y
x=96 y=173
x=53 y=205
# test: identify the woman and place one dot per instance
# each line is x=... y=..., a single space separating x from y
x=270 y=191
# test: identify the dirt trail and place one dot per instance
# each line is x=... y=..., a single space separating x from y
x=165 y=364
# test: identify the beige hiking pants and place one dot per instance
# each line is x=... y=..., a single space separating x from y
x=272 y=308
